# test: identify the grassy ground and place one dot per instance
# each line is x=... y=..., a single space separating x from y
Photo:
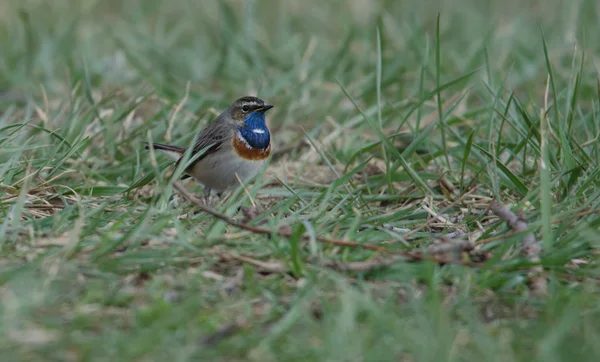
x=390 y=129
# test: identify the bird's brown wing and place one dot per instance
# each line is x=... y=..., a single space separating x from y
x=212 y=137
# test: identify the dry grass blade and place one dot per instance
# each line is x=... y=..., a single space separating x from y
x=269 y=267
x=365 y=266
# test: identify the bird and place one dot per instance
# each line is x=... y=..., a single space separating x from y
x=236 y=144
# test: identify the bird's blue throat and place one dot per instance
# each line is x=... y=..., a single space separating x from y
x=255 y=131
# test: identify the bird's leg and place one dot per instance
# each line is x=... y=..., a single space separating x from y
x=174 y=200
x=206 y=195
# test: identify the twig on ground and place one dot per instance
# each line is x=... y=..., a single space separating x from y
x=286 y=232
x=531 y=248
x=555 y=221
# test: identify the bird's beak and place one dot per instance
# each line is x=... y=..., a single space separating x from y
x=264 y=108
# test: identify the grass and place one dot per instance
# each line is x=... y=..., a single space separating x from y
x=396 y=124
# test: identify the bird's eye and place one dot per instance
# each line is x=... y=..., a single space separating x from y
x=245 y=108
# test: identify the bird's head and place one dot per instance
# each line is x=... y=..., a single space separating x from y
x=249 y=113
x=247 y=108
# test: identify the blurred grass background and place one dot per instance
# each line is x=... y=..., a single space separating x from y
x=96 y=266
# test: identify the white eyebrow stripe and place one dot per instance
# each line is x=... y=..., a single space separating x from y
x=258 y=130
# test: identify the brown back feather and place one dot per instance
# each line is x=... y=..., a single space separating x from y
x=212 y=137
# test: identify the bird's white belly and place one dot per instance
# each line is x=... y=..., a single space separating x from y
x=218 y=170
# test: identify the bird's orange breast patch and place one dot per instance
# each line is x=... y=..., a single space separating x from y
x=246 y=152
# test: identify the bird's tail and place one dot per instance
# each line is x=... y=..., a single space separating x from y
x=175 y=152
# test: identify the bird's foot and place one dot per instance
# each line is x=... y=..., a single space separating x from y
x=211 y=198
x=174 y=201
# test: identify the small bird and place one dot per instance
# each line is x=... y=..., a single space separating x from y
x=236 y=144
